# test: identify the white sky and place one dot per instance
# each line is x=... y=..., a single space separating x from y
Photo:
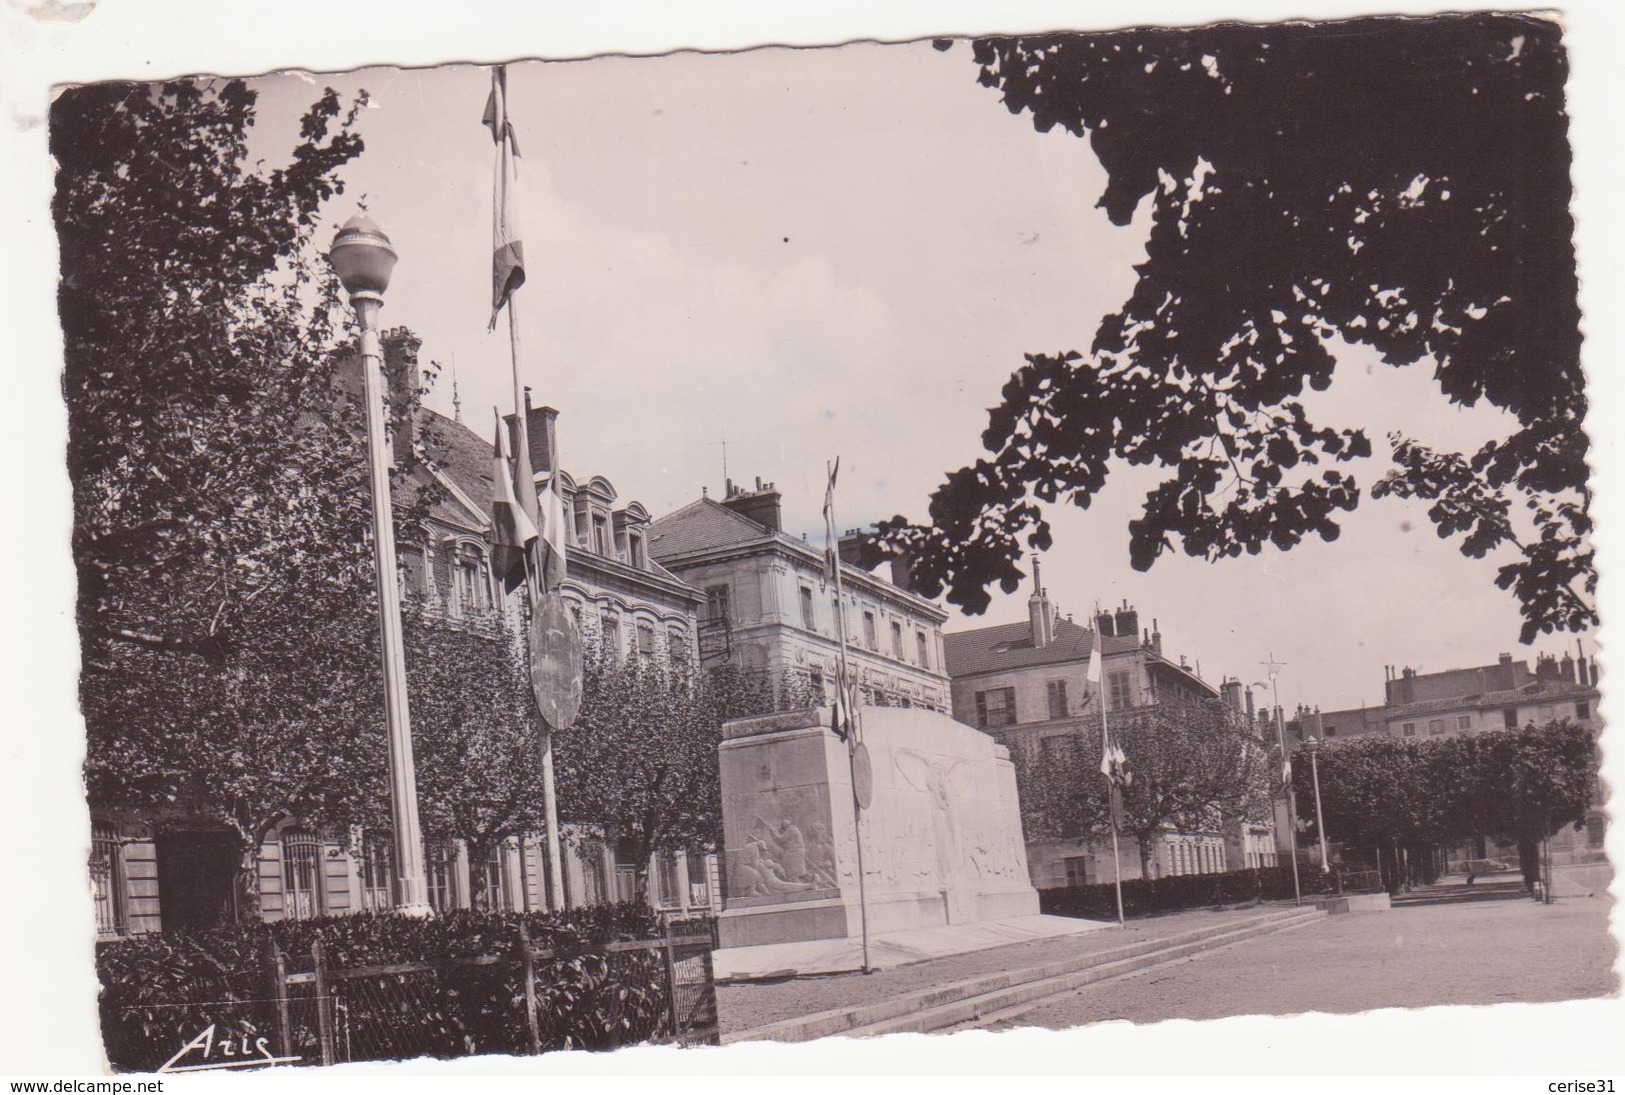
x=846 y=251
x=664 y=307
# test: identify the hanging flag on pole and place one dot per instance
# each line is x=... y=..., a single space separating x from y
x=1114 y=766
x=1286 y=765
x=832 y=551
x=512 y=530
x=553 y=535
x=1113 y=762
x=507 y=252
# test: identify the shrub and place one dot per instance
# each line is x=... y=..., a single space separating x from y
x=1149 y=896
x=159 y=991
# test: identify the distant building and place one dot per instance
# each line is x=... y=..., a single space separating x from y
x=151 y=873
x=769 y=606
x=1505 y=695
x=1027 y=685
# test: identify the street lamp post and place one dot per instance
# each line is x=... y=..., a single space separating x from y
x=364 y=259
x=1312 y=746
x=1274 y=669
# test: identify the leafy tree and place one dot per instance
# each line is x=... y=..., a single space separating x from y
x=1396 y=183
x=639 y=768
x=221 y=606
x=477 y=741
x=1193 y=768
x=1514 y=786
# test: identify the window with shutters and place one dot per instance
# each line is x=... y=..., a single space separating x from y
x=1435 y=726
x=808 y=618
x=1120 y=689
x=1057 y=700
x=996 y=707
x=1408 y=729
x=646 y=644
x=716 y=602
x=1464 y=722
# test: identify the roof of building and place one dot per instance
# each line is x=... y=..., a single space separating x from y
x=702 y=525
x=1534 y=692
x=708 y=525
x=465 y=458
x=1010 y=646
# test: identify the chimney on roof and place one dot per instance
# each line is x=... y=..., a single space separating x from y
x=760 y=505
x=1156 y=637
x=1565 y=667
x=1506 y=659
x=541 y=436
x=1545 y=667
x=1231 y=691
x=1127 y=621
x=1580 y=663
x=1040 y=614
x=1252 y=713
x=1103 y=624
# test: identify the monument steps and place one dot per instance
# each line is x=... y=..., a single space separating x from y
x=982 y=997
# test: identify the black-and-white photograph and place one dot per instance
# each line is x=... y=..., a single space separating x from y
x=586 y=551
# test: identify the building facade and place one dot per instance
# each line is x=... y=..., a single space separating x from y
x=768 y=604
x=151 y=873
x=1027 y=685
x=1506 y=695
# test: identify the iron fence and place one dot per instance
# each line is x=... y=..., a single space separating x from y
x=528 y=1000
x=533 y=1000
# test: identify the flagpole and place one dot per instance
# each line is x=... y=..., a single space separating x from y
x=534 y=591
x=1113 y=792
x=844 y=698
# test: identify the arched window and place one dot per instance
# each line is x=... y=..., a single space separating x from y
x=301 y=874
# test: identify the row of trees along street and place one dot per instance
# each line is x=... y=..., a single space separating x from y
x=1515 y=787
x=221 y=532
x=1195 y=766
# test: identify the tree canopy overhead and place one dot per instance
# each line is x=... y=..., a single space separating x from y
x=1397 y=183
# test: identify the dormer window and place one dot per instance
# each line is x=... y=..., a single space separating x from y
x=634 y=550
x=600 y=534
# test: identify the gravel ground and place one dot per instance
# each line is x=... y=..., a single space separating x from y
x=1481 y=953
x=747 y=1006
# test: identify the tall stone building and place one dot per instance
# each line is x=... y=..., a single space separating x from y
x=768 y=605
x=1027 y=685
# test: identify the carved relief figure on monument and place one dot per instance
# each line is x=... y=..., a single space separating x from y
x=821 y=857
x=773 y=861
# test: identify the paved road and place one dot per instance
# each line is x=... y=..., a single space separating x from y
x=1482 y=953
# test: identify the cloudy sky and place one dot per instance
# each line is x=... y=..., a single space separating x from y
x=932 y=239
x=812 y=252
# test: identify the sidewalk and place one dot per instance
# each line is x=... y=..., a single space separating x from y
x=749 y=1005
x=777 y=961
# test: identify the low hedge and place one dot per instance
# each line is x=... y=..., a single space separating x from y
x=160 y=990
x=1149 y=896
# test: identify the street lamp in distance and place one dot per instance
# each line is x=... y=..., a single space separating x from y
x=364 y=260
x=1311 y=745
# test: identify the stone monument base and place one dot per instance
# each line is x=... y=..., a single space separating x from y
x=941 y=838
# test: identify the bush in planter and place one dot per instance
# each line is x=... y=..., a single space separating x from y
x=161 y=990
